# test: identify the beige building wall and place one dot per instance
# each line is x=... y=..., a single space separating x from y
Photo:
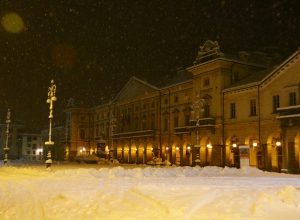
x=192 y=120
x=265 y=128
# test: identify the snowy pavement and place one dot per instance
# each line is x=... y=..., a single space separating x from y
x=97 y=192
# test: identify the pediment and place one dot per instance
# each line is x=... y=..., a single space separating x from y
x=287 y=71
x=135 y=88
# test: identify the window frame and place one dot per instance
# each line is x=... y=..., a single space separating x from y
x=275 y=102
x=292 y=98
x=253 y=107
x=233 y=110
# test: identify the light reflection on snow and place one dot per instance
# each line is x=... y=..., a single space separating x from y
x=97 y=192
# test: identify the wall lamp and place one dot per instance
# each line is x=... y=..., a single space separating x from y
x=277 y=142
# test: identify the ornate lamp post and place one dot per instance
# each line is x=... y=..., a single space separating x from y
x=112 y=125
x=51 y=98
x=6 y=148
x=198 y=106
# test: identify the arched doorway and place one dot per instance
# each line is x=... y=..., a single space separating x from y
x=188 y=154
x=125 y=154
x=294 y=154
x=133 y=153
x=254 y=148
x=166 y=154
x=232 y=152
x=177 y=152
x=206 y=151
x=149 y=152
x=274 y=152
x=119 y=153
x=141 y=154
x=259 y=159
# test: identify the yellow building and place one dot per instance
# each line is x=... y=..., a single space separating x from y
x=219 y=106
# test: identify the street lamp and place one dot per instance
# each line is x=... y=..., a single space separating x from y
x=6 y=148
x=112 y=124
x=51 y=98
x=209 y=146
x=198 y=107
x=278 y=143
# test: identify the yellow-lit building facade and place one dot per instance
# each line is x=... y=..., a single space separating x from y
x=204 y=119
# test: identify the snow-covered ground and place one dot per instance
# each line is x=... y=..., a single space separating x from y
x=115 y=192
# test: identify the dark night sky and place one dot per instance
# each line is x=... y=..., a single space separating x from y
x=92 y=47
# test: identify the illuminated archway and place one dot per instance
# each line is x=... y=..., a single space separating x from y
x=126 y=154
x=141 y=156
x=297 y=152
x=166 y=153
x=119 y=152
x=274 y=152
x=188 y=154
x=149 y=152
x=205 y=151
x=232 y=151
x=255 y=151
x=133 y=153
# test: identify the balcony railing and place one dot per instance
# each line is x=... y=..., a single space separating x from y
x=203 y=122
x=289 y=115
x=132 y=134
x=182 y=130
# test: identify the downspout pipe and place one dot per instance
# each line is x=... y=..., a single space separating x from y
x=223 y=154
x=159 y=119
